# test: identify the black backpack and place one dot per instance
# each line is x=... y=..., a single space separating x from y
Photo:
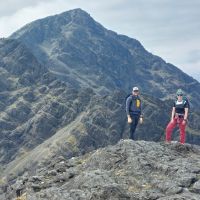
x=127 y=96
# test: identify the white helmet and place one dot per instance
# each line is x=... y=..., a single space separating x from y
x=135 y=89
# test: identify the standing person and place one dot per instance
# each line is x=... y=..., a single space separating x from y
x=179 y=116
x=19 y=187
x=133 y=111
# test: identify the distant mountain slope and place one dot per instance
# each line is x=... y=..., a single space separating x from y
x=36 y=108
x=75 y=47
x=34 y=104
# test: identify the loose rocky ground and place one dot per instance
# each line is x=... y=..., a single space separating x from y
x=135 y=170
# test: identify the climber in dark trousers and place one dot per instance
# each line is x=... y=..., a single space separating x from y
x=19 y=187
x=134 y=111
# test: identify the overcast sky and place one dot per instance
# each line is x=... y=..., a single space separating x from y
x=167 y=28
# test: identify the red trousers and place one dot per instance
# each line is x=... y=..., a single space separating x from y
x=172 y=125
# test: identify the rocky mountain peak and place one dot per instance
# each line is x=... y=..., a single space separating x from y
x=77 y=13
x=72 y=43
x=52 y=26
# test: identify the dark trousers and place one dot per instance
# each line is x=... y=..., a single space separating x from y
x=133 y=125
x=18 y=192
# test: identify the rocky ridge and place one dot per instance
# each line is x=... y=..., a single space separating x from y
x=134 y=170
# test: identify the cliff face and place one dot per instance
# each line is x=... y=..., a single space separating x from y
x=129 y=170
x=82 y=52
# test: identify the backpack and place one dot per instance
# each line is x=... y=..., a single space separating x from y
x=186 y=99
x=128 y=95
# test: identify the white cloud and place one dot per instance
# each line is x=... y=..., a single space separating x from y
x=9 y=7
x=167 y=28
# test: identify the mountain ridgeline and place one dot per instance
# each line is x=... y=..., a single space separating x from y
x=63 y=82
x=82 y=52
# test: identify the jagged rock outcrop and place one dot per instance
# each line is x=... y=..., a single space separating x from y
x=134 y=170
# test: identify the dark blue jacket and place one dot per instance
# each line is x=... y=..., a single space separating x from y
x=133 y=105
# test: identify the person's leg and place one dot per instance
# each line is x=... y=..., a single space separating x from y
x=182 y=131
x=133 y=126
x=169 y=129
x=18 y=193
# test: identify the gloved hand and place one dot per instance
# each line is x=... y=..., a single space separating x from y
x=129 y=120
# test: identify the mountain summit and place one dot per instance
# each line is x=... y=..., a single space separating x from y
x=82 y=52
x=54 y=24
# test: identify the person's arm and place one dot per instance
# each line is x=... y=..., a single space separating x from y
x=186 y=114
x=173 y=113
x=141 y=114
x=128 y=102
x=186 y=107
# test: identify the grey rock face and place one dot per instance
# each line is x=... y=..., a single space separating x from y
x=32 y=111
x=196 y=187
x=80 y=51
x=129 y=170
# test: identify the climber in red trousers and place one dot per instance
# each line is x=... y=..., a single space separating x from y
x=179 y=117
